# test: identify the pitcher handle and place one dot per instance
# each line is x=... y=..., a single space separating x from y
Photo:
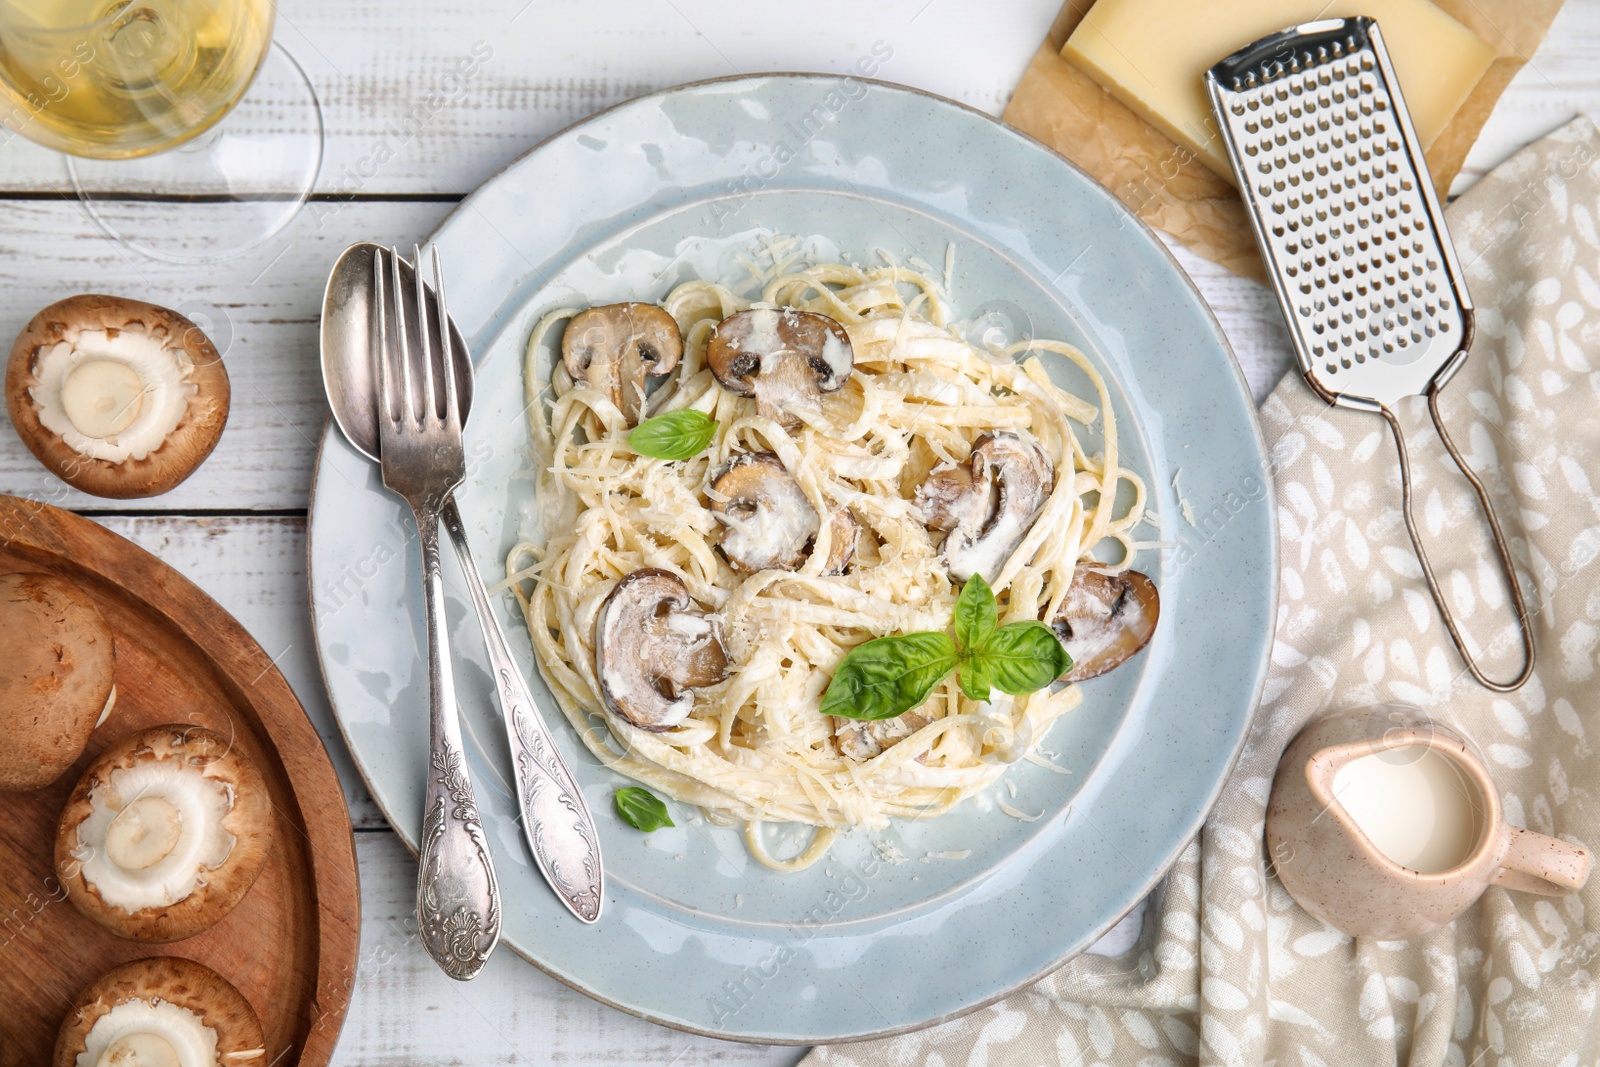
x=1534 y=863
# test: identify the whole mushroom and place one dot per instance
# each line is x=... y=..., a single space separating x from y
x=117 y=397
x=56 y=677
x=784 y=358
x=652 y=648
x=618 y=348
x=770 y=523
x=164 y=1011
x=1105 y=619
x=164 y=833
x=987 y=506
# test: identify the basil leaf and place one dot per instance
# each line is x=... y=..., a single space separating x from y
x=889 y=675
x=976 y=613
x=975 y=680
x=1021 y=657
x=675 y=435
x=641 y=809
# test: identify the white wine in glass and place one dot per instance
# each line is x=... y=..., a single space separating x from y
x=138 y=82
x=114 y=79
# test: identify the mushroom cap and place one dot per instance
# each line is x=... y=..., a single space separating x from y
x=1105 y=619
x=182 y=771
x=770 y=523
x=184 y=448
x=56 y=677
x=652 y=647
x=784 y=358
x=617 y=347
x=170 y=980
x=842 y=546
x=988 y=506
x=861 y=740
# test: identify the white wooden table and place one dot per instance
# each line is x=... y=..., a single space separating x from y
x=238 y=526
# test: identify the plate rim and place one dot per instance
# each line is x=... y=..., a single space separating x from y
x=1269 y=503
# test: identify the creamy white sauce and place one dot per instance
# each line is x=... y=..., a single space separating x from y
x=776 y=530
x=202 y=842
x=193 y=1041
x=164 y=372
x=838 y=358
x=763 y=337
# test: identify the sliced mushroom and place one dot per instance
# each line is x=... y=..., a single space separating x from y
x=116 y=397
x=862 y=740
x=165 y=1011
x=652 y=648
x=164 y=833
x=987 y=506
x=617 y=348
x=770 y=523
x=1105 y=619
x=56 y=677
x=845 y=533
x=784 y=358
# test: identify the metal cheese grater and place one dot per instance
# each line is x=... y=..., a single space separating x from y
x=1344 y=211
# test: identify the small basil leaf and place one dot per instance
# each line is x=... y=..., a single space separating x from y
x=889 y=675
x=975 y=680
x=1021 y=657
x=641 y=809
x=675 y=435
x=976 y=613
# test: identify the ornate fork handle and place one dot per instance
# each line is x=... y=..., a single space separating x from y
x=555 y=818
x=458 y=898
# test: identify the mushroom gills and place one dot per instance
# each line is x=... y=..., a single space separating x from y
x=652 y=649
x=1105 y=619
x=115 y=395
x=618 y=348
x=784 y=358
x=148 y=1033
x=986 y=507
x=153 y=830
x=862 y=740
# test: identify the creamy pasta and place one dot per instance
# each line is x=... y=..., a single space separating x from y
x=755 y=749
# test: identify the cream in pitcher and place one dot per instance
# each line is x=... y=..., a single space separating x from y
x=1386 y=823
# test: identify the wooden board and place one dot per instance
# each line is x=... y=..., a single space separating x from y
x=291 y=945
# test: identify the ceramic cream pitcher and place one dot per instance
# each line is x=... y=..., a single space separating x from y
x=1385 y=823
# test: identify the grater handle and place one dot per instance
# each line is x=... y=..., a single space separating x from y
x=1501 y=548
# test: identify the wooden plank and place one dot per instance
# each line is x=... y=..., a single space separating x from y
x=390 y=86
x=405 y=1011
x=261 y=309
x=455 y=91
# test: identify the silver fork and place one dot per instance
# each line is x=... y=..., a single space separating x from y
x=458 y=898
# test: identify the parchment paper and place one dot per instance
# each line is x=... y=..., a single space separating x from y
x=1067 y=109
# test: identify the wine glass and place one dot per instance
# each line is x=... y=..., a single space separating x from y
x=147 y=98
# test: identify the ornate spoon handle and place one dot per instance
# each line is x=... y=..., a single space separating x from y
x=555 y=817
x=458 y=898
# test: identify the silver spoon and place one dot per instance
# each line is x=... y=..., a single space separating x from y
x=555 y=817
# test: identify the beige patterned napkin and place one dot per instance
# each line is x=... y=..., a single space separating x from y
x=1229 y=970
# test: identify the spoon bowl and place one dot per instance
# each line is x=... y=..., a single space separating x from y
x=349 y=375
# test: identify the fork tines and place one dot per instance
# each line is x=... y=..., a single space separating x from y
x=412 y=342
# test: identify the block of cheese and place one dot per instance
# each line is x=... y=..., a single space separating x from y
x=1153 y=54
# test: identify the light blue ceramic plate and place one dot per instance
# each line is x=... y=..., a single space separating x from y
x=695 y=935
